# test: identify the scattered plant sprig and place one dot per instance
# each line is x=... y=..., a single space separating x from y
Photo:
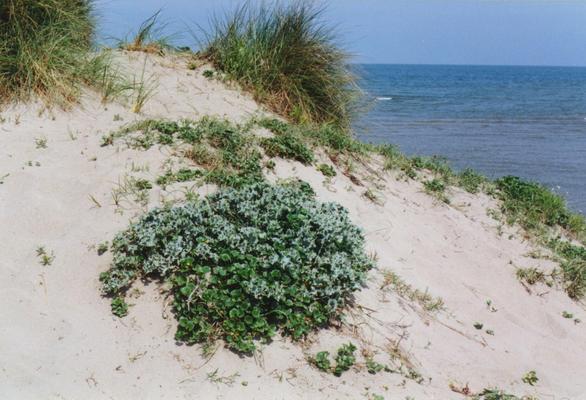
x=46 y=258
x=344 y=360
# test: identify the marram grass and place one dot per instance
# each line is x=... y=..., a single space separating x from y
x=288 y=58
x=46 y=50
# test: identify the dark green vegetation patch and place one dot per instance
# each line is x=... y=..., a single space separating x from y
x=245 y=263
x=530 y=203
x=288 y=145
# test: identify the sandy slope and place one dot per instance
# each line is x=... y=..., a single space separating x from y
x=58 y=339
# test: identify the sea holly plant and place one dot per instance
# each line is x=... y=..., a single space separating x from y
x=246 y=262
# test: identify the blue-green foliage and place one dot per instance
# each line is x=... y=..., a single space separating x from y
x=246 y=262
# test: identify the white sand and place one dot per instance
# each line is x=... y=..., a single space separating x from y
x=59 y=340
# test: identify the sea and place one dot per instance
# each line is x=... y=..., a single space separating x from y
x=499 y=120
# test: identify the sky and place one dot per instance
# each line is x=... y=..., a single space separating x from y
x=483 y=32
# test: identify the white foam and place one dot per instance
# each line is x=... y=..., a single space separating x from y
x=384 y=98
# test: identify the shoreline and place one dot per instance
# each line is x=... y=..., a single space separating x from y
x=521 y=129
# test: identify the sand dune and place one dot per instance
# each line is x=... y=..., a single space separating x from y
x=59 y=340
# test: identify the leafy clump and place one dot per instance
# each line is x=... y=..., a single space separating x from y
x=244 y=263
x=322 y=361
x=119 y=307
x=567 y=315
x=344 y=359
x=327 y=170
x=530 y=378
x=288 y=145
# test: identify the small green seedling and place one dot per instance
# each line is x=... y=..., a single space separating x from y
x=490 y=332
x=373 y=197
x=322 y=361
x=530 y=378
x=41 y=142
x=567 y=315
x=119 y=307
x=478 y=325
x=373 y=367
x=45 y=258
x=103 y=248
x=142 y=184
x=345 y=358
x=228 y=380
x=208 y=73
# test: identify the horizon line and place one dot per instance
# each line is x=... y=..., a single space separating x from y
x=470 y=65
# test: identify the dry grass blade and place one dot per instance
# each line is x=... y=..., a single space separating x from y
x=149 y=37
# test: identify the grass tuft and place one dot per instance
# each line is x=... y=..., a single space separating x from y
x=531 y=204
x=46 y=51
x=148 y=38
x=287 y=57
x=471 y=181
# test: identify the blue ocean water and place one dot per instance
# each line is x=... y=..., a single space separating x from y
x=524 y=121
